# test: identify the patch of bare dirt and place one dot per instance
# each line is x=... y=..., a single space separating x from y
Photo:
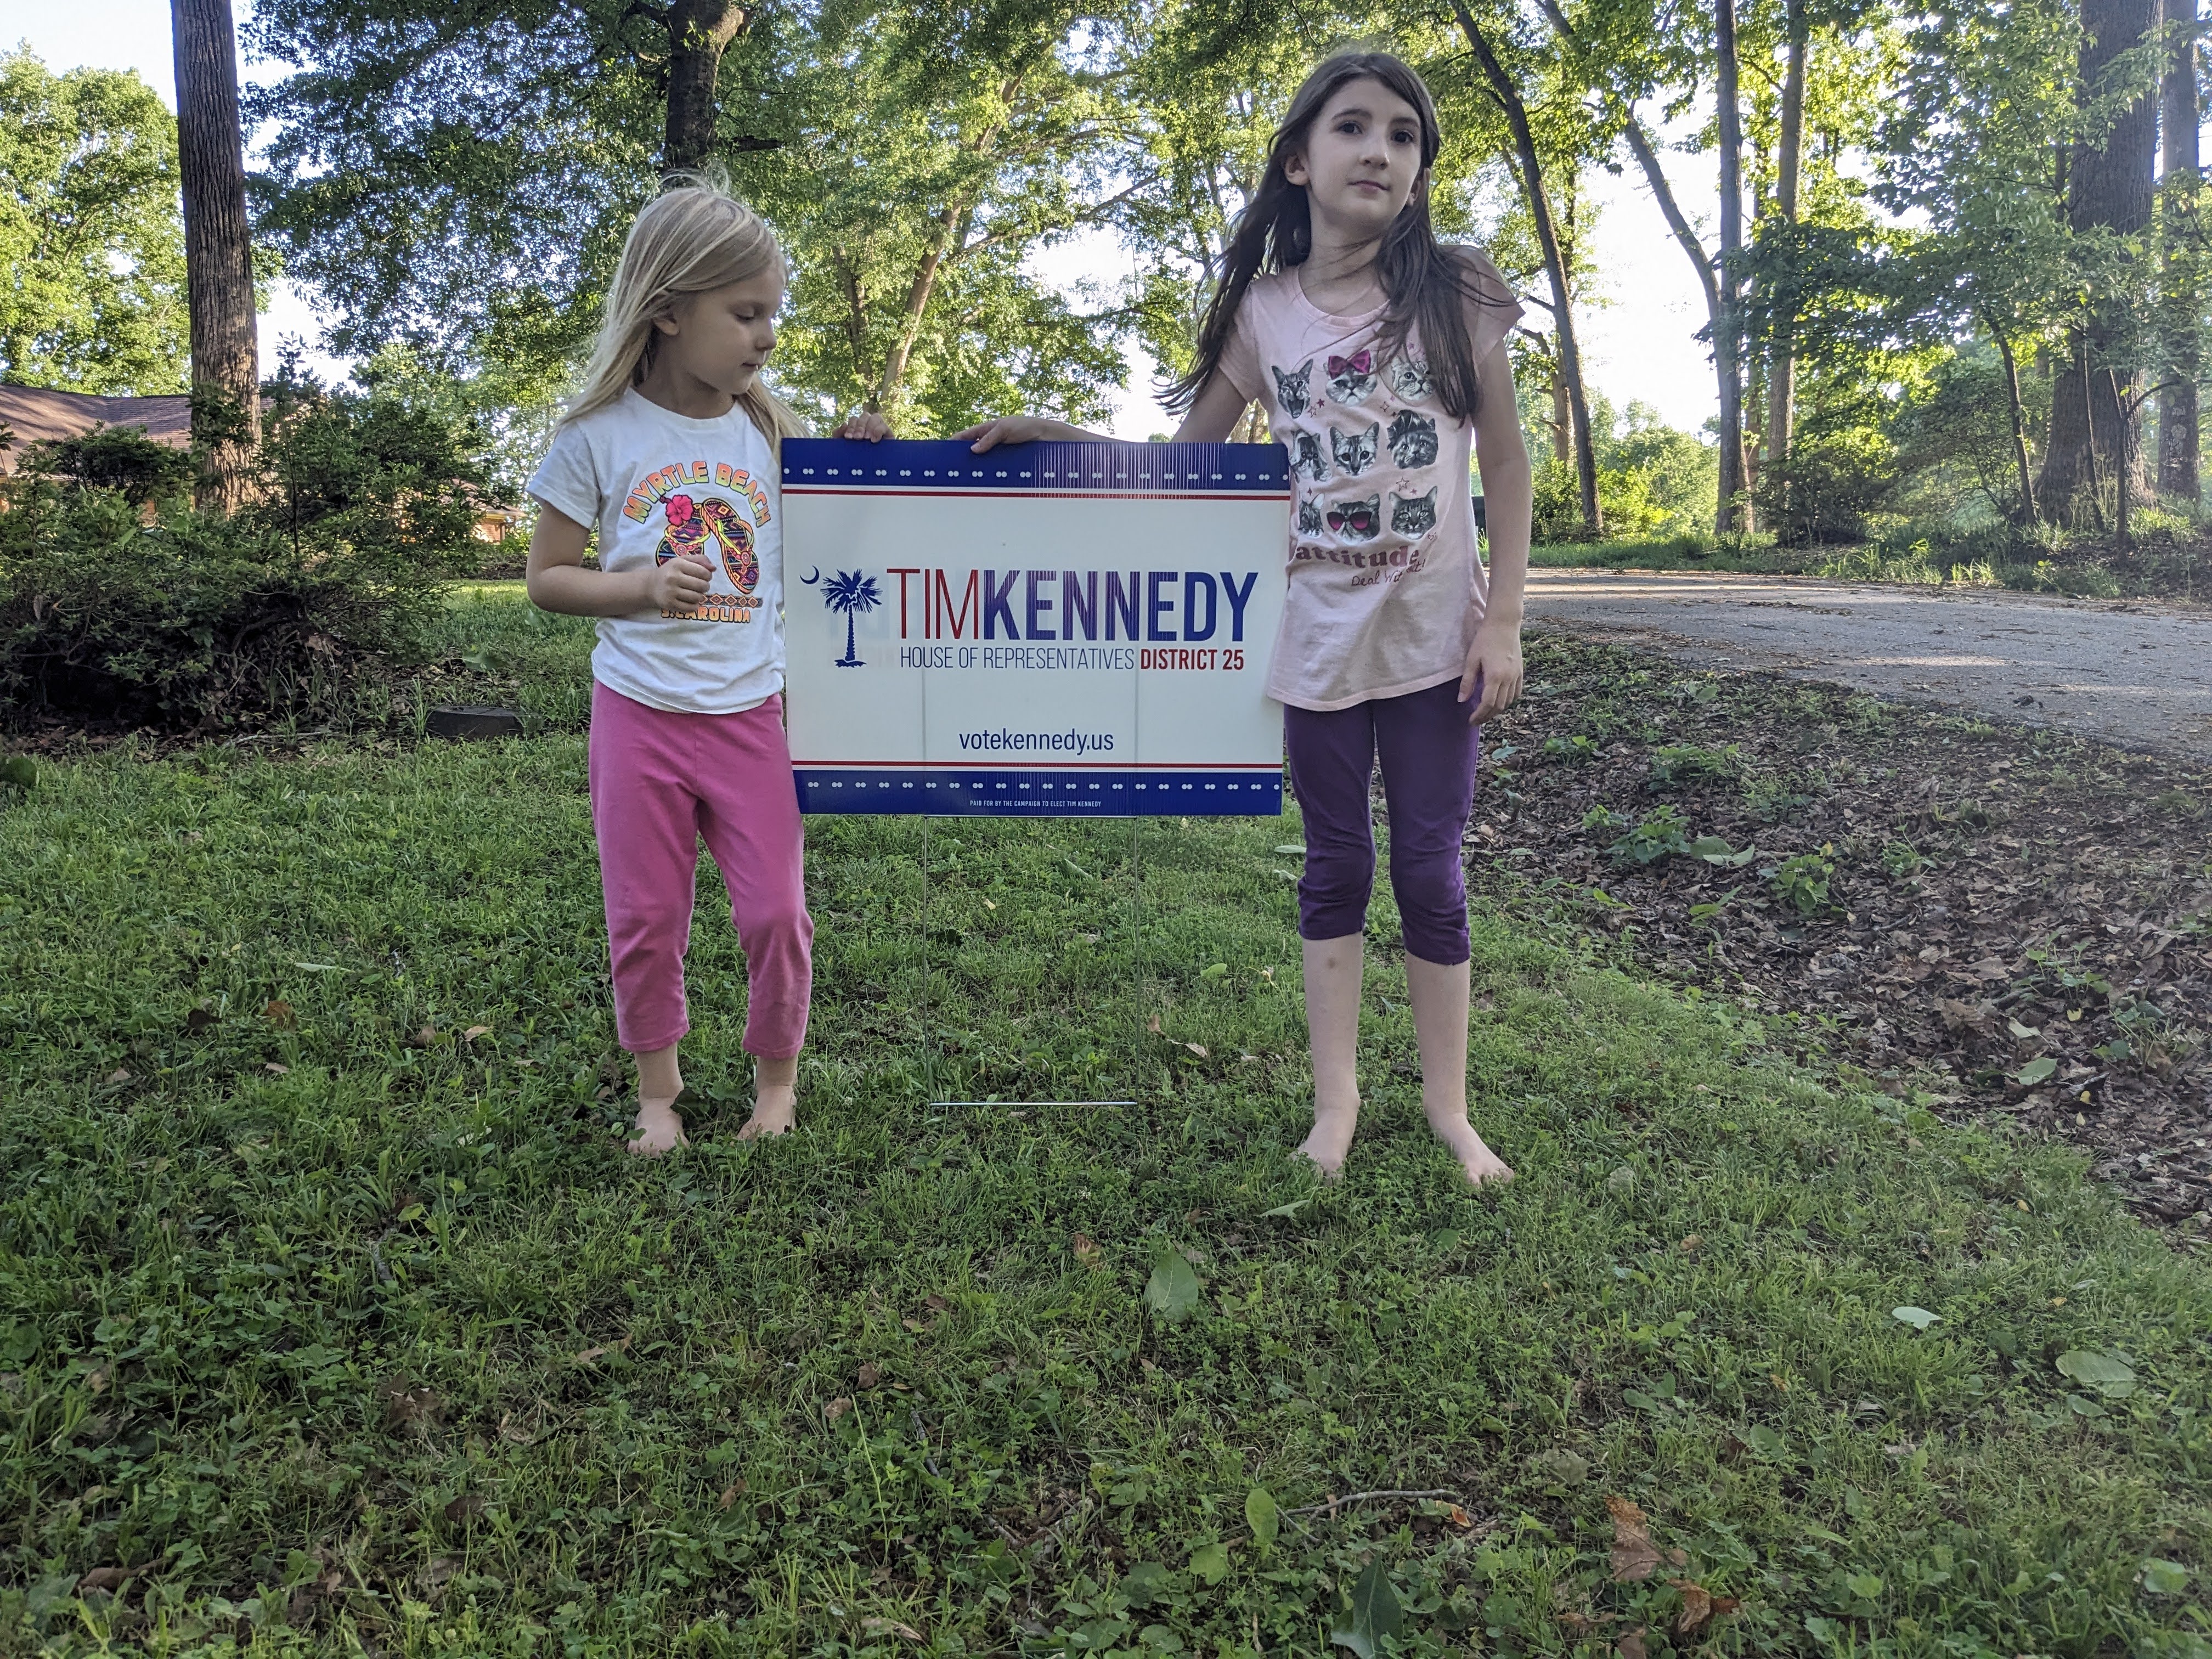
x=2016 y=922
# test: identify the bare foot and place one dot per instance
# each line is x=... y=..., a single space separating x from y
x=1330 y=1141
x=659 y=1130
x=1481 y=1166
x=775 y=1108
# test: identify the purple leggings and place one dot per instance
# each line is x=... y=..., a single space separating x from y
x=1428 y=753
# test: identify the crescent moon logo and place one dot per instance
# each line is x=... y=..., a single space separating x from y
x=809 y=581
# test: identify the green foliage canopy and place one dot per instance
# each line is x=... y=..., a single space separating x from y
x=92 y=241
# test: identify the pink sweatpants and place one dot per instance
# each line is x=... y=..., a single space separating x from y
x=659 y=782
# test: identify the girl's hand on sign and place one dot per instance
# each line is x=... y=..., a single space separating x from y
x=1493 y=667
x=866 y=424
x=681 y=583
x=1025 y=429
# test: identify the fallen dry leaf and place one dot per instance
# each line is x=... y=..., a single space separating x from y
x=1459 y=1517
x=870 y=1374
x=279 y=1070
x=97 y=1381
x=465 y=1509
x=474 y=1032
x=1153 y=1025
x=1198 y=1048
x=836 y=1408
x=875 y=1626
x=1697 y=1607
x=105 y=1578
x=278 y=1012
x=1087 y=1251
x=425 y=1037
x=935 y=1304
x=914 y=1325
x=590 y=1354
x=410 y=1407
x=1630 y=1645
x=732 y=1493
x=1634 y=1556
x=119 y=1075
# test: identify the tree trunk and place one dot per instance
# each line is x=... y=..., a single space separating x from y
x=1539 y=210
x=699 y=32
x=2177 y=409
x=218 y=248
x=917 y=304
x=1782 y=372
x=2109 y=187
x=1728 y=331
x=2019 y=419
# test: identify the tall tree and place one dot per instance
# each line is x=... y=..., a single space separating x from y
x=2110 y=185
x=699 y=32
x=1529 y=167
x=218 y=244
x=2183 y=234
x=458 y=174
x=1728 y=336
x=1984 y=100
x=90 y=235
x=1781 y=380
x=1626 y=53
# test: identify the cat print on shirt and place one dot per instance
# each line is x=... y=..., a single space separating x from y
x=1309 y=518
x=1291 y=390
x=1413 y=515
x=1409 y=380
x=1413 y=439
x=1357 y=521
x=1307 y=462
x=1354 y=450
x=1351 y=379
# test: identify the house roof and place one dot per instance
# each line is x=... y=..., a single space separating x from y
x=35 y=414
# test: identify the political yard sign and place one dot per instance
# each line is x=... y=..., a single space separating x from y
x=1051 y=629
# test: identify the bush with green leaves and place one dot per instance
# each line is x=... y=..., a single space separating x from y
x=194 y=621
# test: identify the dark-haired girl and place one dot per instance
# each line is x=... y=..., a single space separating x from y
x=1379 y=357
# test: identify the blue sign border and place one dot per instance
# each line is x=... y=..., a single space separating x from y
x=990 y=792
x=1047 y=469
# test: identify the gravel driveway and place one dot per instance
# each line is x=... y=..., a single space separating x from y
x=2135 y=674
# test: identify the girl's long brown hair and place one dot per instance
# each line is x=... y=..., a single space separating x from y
x=1426 y=286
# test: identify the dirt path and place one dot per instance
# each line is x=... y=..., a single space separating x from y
x=2135 y=674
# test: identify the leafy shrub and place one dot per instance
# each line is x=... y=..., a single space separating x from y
x=118 y=458
x=194 y=621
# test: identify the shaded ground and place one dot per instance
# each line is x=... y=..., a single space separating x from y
x=2011 y=922
x=2131 y=672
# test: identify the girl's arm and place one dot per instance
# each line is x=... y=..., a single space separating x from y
x=558 y=580
x=1212 y=418
x=1509 y=496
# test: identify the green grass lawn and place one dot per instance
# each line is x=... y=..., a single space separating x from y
x=335 y=1319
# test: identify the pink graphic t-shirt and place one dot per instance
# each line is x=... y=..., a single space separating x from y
x=1386 y=587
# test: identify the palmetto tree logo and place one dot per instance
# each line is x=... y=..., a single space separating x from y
x=848 y=592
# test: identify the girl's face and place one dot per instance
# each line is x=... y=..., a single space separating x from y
x=721 y=337
x=1361 y=159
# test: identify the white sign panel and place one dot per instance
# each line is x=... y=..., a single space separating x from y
x=1054 y=629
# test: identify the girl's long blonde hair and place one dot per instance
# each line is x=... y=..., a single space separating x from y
x=693 y=237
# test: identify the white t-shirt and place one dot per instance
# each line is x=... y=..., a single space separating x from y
x=658 y=484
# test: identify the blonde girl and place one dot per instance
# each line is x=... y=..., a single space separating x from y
x=1378 y=355
x=669 y=450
